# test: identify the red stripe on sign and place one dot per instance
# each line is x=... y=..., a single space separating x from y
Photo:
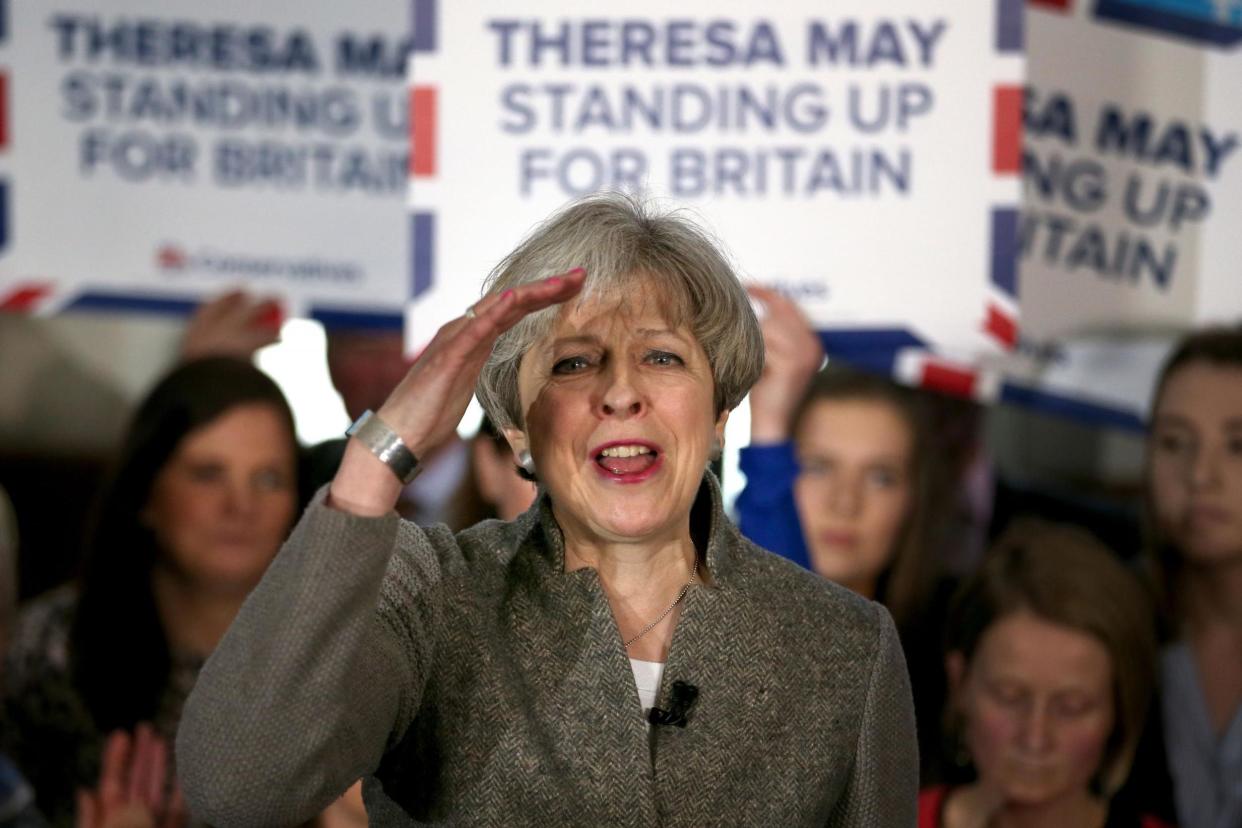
x=1051 y=4
x=1002 y=326
x=423 y=131
x=24 y=298
x=4 y=110
x=948 y=379
x=1007 y=129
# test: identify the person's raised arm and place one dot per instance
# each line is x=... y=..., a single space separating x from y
x=310 y=685
x=792 y=353
x=766 y=510
x=426 y=406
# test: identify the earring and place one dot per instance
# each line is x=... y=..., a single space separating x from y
x=526 y=461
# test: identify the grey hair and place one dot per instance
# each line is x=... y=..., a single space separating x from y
x=621 y=240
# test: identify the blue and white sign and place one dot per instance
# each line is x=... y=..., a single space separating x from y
x=154 y=152
x=860 y=155
x=1132 y=162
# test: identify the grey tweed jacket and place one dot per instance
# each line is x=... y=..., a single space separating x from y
x=472 y=681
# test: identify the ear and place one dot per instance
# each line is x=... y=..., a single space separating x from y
x=719 y=428
x=517 y=441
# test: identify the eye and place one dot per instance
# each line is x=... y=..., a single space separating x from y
x=883 y=477
x=815 y=466
x=1234 y=445
x=1173 y=442
x=571 y=365
x=204 y=472
x=664 y=358
x=1073 y=706
x=272 y=480
x=1007 y=694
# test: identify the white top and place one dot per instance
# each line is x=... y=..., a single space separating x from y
x=647 y=676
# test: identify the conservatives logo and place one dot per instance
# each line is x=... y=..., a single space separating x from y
x=1210 y=22
x=173 y=260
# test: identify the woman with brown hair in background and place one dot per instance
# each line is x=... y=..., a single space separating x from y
x=1194 y=476
x=1052 y=663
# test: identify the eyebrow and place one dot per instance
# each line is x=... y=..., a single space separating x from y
x=581 y=339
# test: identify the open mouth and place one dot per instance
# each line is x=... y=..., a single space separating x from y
x=627 y=460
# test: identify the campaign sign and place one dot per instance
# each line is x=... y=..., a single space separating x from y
x=153 y=152
x=861 y=156
x=1133 y=194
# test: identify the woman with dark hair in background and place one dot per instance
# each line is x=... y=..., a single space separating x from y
x=841 y=478
x=1052 y=662
x=1194 y=476
x=203 y=494
x=493 y=488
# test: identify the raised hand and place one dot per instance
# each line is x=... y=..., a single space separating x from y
x=132 y=782
x=428 y=403
x=236 y=324
x=792 y=355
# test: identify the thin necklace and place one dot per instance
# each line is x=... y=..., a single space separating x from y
x=693 y=577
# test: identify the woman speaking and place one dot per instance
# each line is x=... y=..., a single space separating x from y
x=619 y=654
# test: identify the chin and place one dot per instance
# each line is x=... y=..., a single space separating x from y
x=1021 y=789
x=230 y=576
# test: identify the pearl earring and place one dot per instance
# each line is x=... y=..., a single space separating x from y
x=526 y=461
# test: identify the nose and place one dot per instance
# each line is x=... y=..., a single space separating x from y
x=1036 y=733
x=621 y=396
x=1204 y=468
x=845 y=496
x=240 y=497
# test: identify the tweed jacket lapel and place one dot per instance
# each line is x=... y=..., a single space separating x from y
x=582 y=688
x=582 y=697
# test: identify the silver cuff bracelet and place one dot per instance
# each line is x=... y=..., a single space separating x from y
x=385 y=444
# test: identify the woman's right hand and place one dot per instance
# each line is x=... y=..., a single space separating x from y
x=429 y=402
x=132 y=782
x=792 y=355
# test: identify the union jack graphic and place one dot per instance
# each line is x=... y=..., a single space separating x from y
x=423 y=121
x=908 y=357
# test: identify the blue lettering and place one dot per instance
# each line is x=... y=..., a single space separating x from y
x=505 y=30
x=720 y=48
x=514 y=99
x=764 y=46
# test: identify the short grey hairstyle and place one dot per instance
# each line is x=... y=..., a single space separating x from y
x=621 y=241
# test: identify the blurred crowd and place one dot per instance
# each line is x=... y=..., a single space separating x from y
x=1057 y=681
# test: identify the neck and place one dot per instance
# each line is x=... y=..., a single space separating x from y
x=641 y=580
x=194 y=619
x=976 y=808
x=1212 y=596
